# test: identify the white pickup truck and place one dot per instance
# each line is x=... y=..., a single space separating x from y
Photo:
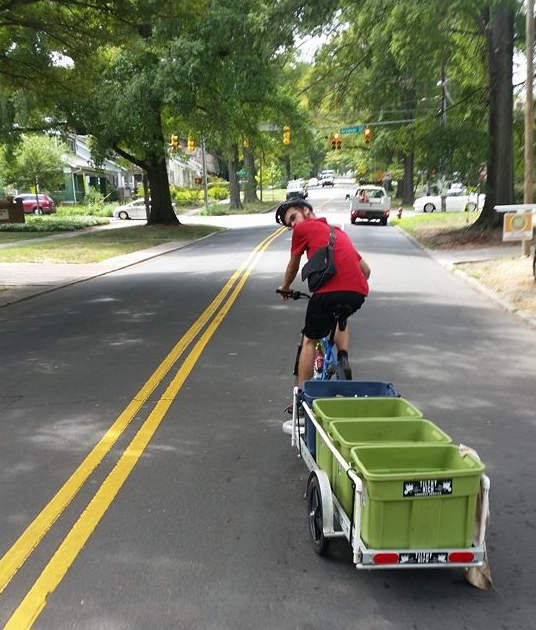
x=371 y=203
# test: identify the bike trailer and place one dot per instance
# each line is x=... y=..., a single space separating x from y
x=412 y=503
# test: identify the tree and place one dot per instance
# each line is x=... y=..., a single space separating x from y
x=36 y=160
x=498 y=23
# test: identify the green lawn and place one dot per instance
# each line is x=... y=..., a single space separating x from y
x=94 y=247
x=435 y=220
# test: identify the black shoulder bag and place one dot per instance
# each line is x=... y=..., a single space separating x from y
x=321 y=266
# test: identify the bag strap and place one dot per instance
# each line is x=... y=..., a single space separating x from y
x=331 y=237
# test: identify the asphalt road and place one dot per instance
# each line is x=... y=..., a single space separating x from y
x=191 y=514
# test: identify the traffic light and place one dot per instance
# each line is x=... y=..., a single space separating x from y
x=367 y=133
x=338 y=141
x=191 y=143
x=174 y=142
x=286 y=134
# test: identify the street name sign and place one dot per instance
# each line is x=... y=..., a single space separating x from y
x=352 y=129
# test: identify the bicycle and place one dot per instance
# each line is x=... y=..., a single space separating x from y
x=325 y=364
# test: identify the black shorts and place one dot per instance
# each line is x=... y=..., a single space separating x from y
x=320 y=319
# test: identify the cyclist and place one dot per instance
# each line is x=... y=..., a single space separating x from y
x=348 y=287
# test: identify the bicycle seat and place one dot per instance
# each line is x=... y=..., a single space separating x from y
x=341 y=313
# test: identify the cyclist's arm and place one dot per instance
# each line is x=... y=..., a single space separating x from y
x=365 y=268
x=291 y=271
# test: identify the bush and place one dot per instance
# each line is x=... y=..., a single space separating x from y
x=106 y=210
x=53 y=224
x=186 y=196
x=218 y=193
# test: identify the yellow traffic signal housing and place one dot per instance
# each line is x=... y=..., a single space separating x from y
x=191 y=143
x=367 y=133
x=338 y=141
x=174 y=142
x=286 y=134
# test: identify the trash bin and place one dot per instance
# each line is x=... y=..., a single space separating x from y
x=418 y=496
x=328 y=409
x=332 y=389
x=345 y=434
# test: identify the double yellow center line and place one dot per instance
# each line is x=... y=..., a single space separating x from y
x=53 y=573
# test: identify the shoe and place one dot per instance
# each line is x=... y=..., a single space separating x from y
x=300 y=411
x=287 y=427
x=344 y=365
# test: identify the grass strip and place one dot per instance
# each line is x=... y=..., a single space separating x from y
x=94 y=247
x=445 y=230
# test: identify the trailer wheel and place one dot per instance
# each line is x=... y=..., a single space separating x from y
x=315 y=519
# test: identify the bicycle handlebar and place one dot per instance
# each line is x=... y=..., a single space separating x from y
x=293 y=295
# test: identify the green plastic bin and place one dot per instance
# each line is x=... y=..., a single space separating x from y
x=327 y=409
x=345 y=434
x=417 y=497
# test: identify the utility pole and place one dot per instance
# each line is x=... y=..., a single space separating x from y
x=443 y=93
x=529 y=117
x=205 y=184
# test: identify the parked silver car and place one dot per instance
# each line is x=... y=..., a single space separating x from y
x=133 y=210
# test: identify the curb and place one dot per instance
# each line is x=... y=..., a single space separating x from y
x=472 y=282
x=103 y=273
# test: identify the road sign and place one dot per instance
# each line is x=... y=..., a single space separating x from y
x=242 y=173
x=517 y=226
x=353 y=129
x=266 y=126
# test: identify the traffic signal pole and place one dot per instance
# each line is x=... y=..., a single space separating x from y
x=529 y=115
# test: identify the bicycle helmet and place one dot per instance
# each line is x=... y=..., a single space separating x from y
x=290 y=203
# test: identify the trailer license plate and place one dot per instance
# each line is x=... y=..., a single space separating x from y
x=423 y=557
x=426 y=487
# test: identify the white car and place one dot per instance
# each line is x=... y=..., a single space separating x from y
x=296 y=189
x=312 y=182
x=370 y=203
x=456 y=201
x=133 y=210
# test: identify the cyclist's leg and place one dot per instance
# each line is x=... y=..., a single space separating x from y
x=342 y=341
x=346 y=302
x=317 y=325
x=305 y=364
x=342 y=338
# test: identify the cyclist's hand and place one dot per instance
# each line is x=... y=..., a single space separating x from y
x=284 y=292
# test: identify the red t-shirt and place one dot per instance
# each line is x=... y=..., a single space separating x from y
x=310 y=235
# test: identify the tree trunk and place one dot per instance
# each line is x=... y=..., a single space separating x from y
x=407 y=193
x=234 y=184
x=500 y=186
x=162 y=212
x=250 y=193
